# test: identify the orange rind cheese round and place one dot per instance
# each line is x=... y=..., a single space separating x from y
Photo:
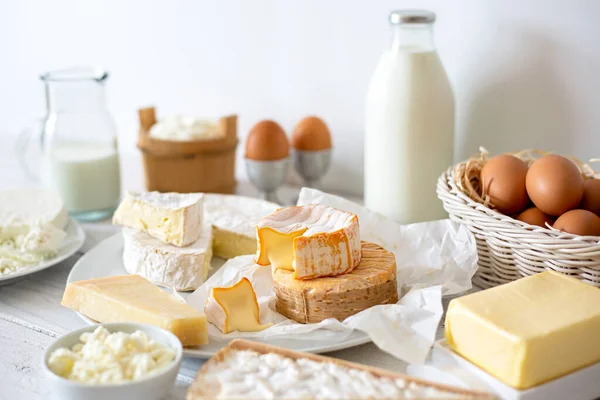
x=311 y=241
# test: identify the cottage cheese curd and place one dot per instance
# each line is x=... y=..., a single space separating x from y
x=246 y=374
x=31 y=246
x=184 y=128
x=103 y=357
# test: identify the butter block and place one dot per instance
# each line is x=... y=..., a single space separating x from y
x=234 y=308
x=529 y=331
x=174 y=218
x=132 y=298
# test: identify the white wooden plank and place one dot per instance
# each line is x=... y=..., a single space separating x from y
x=36 y=299
x=22 y=349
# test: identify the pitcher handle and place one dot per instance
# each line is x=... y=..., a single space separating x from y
x=22 y=145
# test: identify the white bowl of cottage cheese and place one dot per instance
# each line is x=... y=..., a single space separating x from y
x=113 y=361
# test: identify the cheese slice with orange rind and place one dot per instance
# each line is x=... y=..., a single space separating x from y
x=234 y=308
x=312 y=241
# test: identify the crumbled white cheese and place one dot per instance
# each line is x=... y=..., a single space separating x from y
x=29 y=247
x=107 y=358
x=247 y=374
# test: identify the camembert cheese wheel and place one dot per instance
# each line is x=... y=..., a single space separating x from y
x=310 y=241
x=234 y=308
x=371 y=283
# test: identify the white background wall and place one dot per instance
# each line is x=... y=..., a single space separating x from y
x=525 y=73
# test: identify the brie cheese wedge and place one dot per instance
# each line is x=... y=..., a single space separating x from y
x=312 y=241
x=234 y=308
x=182 y=268
x=234 y=220
x=173 y=218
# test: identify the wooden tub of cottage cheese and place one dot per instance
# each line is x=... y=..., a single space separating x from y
x=184 y=154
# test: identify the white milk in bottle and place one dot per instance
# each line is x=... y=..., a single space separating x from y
x=409 y=124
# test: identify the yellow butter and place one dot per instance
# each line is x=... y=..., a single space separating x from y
x=132 y=298
x=234 y=308
x=529 y=331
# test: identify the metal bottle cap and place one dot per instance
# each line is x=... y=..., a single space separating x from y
x=401 y=17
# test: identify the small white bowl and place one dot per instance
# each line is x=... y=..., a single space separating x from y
x=155 y=386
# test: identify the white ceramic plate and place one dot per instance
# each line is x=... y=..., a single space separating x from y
x=73 y=242
x=578 y=385
x=106 y=260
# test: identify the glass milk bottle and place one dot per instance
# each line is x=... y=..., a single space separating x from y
x=79 y=157
x=409 y=123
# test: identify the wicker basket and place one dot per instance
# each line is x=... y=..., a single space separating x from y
x=509 y=249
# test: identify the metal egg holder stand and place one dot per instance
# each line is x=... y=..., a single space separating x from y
x=268 y=176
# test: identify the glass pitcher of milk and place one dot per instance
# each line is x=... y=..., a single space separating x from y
x=77 y=144
x=409 y=123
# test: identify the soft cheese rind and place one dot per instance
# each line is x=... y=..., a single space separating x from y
x=371 y=283
x=174 y=218
x=234 y=308
x=182 y=268
x=528 y=331
x=132 y=298
x=312 y=240
x=234 y=220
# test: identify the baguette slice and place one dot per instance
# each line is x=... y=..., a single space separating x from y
x=206 y=387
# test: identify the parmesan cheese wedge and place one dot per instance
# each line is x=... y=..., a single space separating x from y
x=312 y=241
x=234 y=308
x=132 y=298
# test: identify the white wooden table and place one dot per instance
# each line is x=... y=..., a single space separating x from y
x=31 y=316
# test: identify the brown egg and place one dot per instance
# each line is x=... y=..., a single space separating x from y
x=591 y=196
x=267 y=142
x=554 y=184
x=503 y=179
x=533 y=216
x=311 y=134
x=579 y=222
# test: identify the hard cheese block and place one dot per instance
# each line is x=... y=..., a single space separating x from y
x=528 y=331
x=173 y=218
x=234 y=308
x=182 y=268
x=132 y=298
x=371 y=283
x=233 y=220
x=312 y=241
